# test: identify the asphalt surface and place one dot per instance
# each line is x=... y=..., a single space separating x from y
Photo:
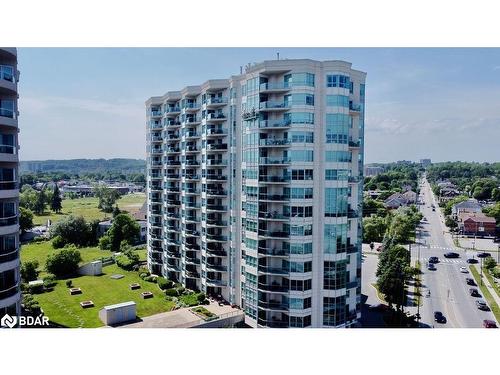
x=448 y=291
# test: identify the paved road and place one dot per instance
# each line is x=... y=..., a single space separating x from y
x=449 y=292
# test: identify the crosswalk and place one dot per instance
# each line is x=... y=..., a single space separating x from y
x=441 y=247
x=445 y=260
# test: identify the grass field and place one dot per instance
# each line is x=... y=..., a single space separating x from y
x=87 y=207
x=40 y=250
x=64 y=309
x=486 y=293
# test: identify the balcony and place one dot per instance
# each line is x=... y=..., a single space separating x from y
x=172 y=176
x=173 y=110
x=354 y=144
x=273 y=323
x=172 y=267
x=156 y=138
x=155 y=199
x=215 y=282
x=151 y=212
x=216 y=253
x=173 y=202
x=192 y=219
x=353 y=179
x=274 y=198
x=172 y=215
x=216 y=238
x=273 y=287
x=274 y=124
x=215 y=102
x=173 y=123
x=191 y=233
x=273 y=252
x=156 y=176
x=217 y=193
x=192 y=274
x=152 y=187
x=172 y=150
x=216 y=163
x=216 y=146
x=156 y=150
x=216 y=223
x=275 y=161
x=155 y=235
x=274 y=179
x=354 y=108
x=191 y=246
x=173 y=254
x=192 y=204
x=10 y=255
x=216 y=267
x=216 y=133
x=190 y=107
x=274 y=87
x=273 y=234
x=191 y=191
x=189 y=149
x=156 y=113
x=172 y=189
x=273 y=216
x=275 y=142
x=271 y=106
x=192 y=162
x=8 y=291
x=352 y=214
x=172 y=137
x=172 y=162
x=172 y=228
x=219 y=177
x=272 y=270
x=215 y=117
x=273 y=305
x=192 y=135
x=214 y=207
x=172 y=241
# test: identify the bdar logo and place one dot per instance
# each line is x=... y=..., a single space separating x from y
x=8 y=321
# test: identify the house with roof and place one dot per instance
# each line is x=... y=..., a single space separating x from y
x=469 y=206
x=477 y=224
x=397 y=200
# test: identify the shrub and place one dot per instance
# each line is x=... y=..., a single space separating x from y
x=164 y=283
x=201 y=297
x=105 y=243
x=489 y=263
x=151 y=278
x=64 y=262
x=124 y=262
x=73 y=230
x=69 y=283
x=58 y=242
x=171 y=293
x=49 y=281
x=181 y=290
x=143 y=275
x=29 y=270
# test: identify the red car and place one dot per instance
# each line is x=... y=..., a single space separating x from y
x=489 y=324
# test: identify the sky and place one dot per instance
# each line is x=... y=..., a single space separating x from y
x=437 y=103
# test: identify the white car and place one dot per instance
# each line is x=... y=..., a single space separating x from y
x=464 y=270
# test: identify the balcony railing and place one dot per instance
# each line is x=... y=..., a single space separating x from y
x=217 y=146
x=12 y=254
x=354 y=107
x=217 y=267
x=156 y=113
x=190 y=106
x=215 y=116
x=173 y=123
x=274 y=86
x=275 y=142
x=274 y=215
x=214 y=207
x=274 y=179
x=274 y=234
x=216 y=237
x=274 y=124
x=216 y=282
x=172 y=176
x=216 y=132
x=212 y=162
x=193 y=177
x=274 y=197
x=216 y=101
x=7 y=73
x=216 y=177
x=273 y=105
x=273 y=251
x=273 y=287
x=220 y=223
x=274 y=305
x=217 y=192
x=8 y=291
x=272 y=270
x=274 y=161
x=173 y=109
x=273 y=323
x=354 y=144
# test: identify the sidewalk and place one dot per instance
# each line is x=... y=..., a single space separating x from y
x=488 y=286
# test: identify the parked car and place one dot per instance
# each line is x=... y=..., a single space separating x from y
x=470 y=281
x=471 y=260
x=464 y=270
x=439 y=317
x=483 y=255
x=489 y=324
x=481 y=305
x=451 y=255
x=431 y=267
x=474 y=292
x=433 y=260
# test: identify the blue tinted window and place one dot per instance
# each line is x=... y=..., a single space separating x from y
x=337 y=80
x=337 y=101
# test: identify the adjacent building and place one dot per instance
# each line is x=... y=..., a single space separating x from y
x=255 y=188
x=425 y=163
x=10 y=295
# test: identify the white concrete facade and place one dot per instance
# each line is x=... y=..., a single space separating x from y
x=295 y=131
x=10 y=295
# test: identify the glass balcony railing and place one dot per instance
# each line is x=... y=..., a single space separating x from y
x=8 y=149
x=274 y=124
x=273 y=251
x=215 y=116
x=216 y=177
x=216 y=146
x=215 y=207
x=274 y=179
x=216 y=132
x=216 y=101
x=11 y=220
x=275 y=142
x=173 y=109
x=274 y=161
x=274 y=197
x=273 y=105
x=274 y=86
x=7 y=73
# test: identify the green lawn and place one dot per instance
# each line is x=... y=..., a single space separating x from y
x=64 y=309
x=40 y=250
x=486 y=293
x=496 y=287
x=87 y=207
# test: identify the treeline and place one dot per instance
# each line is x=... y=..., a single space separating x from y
x=394 y=177
x=91 y=169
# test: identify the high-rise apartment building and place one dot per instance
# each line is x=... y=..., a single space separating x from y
x=10 y=295
x=255 y=190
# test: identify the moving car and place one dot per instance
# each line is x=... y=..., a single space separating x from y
x=433 y=260
x=451 y=255
x=489 y=324
x=431 y=267
x=471 y=260
x=474 y=292
x=439 y=317
x=483 y=255
x=481 y=305
x=464 y=270
x=470 y=281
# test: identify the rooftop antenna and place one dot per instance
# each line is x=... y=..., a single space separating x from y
x=278 y=55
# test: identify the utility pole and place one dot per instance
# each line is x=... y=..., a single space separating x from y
x=481 y=268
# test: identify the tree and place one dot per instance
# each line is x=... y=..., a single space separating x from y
x=64 y=262
x=495 y=194
x=124 y=228
x=450 y=223
x=116 y=211
x=374 y=228
x=40 y=203
x=107 y=197
x=56 y=203
x=393 y=271
x=493 y=211
x=28 y=197
x=72 y=230
x=25 y=219
x=29 y=270
x=489 y=263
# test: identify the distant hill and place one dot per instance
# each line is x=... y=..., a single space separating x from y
x=82 y=166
